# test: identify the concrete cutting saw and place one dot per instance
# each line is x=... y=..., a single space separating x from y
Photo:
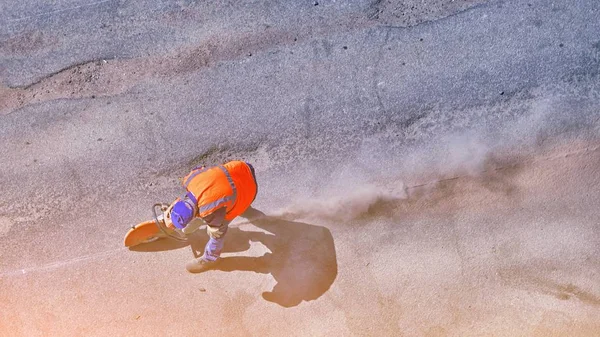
x=159 y=227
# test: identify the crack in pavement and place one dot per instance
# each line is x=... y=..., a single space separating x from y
x=105 y=77
x=442 y=18
x=61 y=263
x=376 y=83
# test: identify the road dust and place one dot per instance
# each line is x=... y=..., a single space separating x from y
x=380 y=175
x=348 y=202
x=357 y=190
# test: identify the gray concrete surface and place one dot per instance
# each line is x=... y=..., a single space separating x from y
x=426 y=168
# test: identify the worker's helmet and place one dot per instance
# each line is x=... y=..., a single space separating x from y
x=182 y=211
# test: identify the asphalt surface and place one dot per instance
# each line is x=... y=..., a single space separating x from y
x=426 y=168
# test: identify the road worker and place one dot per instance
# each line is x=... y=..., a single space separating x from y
x=217 y=195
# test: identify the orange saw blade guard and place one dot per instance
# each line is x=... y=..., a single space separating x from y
x=141 y=233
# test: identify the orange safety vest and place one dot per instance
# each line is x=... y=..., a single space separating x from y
x=231 y=185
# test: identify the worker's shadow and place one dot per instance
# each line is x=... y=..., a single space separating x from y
x=302 y=258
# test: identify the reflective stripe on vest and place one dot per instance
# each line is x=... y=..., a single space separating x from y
x=196 y=172
x=223 y=200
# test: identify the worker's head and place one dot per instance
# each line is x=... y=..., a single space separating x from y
x=182 y=211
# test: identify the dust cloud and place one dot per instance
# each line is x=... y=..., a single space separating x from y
x=378 y=176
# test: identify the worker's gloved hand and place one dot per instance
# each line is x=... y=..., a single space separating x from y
x=216 y=232
x=193 y=226
x=170 y=225
x=167 y=218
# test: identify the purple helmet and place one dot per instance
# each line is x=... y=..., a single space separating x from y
x=183 y=211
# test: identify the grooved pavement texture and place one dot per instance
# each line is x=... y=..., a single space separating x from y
x=426 y=168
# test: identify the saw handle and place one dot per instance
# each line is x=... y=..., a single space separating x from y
x=160 y=223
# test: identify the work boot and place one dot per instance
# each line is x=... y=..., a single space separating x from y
x=200 y=265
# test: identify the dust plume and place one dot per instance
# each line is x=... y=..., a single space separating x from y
x=376 y=177
x=345 y=203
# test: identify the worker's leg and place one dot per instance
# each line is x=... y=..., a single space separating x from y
x=213 y=248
